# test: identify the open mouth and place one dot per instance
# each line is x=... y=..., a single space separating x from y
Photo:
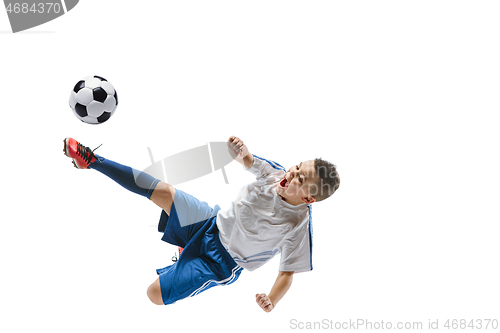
x=284 y=183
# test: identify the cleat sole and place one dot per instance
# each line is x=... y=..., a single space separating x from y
x=65 y=149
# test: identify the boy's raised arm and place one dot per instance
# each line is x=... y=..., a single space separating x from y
x=239 y=151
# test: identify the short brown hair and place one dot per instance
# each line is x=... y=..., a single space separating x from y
x=328 y=179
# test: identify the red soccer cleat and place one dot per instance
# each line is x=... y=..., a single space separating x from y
x=82 y=156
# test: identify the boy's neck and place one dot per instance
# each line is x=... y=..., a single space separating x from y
x=291 y=203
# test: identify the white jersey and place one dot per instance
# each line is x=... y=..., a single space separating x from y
x=259 y=224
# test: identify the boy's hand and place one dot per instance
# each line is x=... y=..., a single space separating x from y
x=237 y=148
x=264 y=302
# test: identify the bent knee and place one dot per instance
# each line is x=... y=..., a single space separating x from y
x=164 y=190
x=163 y=196
x=154 y=293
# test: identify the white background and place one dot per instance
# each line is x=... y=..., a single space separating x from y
x=402 y=95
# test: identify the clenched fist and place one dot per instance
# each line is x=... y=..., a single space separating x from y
x=237 y=148
x=264 y=302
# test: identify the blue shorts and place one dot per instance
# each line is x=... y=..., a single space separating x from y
x=204 y=263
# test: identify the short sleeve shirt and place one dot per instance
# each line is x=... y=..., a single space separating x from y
x=260 y=223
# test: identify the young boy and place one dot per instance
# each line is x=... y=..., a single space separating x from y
x=269 y=216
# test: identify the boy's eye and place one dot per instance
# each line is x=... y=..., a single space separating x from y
x=297 y=167
x=300 y=179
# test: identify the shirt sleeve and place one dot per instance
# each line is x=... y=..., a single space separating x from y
x=263 y=168
x=296 y=252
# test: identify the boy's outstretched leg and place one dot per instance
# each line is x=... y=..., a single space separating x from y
x=133 y=180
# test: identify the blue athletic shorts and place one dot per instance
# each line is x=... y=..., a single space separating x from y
x=204 y=263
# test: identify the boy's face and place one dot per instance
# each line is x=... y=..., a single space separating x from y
x=296 y=184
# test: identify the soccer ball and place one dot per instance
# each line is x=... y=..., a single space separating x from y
x=93 y=100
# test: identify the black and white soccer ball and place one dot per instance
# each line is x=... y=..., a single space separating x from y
x=93 y=100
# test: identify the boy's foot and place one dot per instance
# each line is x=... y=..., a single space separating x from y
x=82 y=156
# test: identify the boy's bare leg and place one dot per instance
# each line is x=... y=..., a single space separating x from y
x=163 y=196
x=154 y=293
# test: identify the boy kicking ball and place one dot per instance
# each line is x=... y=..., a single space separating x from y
x=269 y=216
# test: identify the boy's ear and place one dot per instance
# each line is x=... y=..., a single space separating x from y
x=308 y=200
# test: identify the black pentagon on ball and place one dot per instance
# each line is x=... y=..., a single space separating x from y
x=81 y=110
x=100 y=94
x=100 y=78
x=79 y=86
x=103 y=117
x=116 y=97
